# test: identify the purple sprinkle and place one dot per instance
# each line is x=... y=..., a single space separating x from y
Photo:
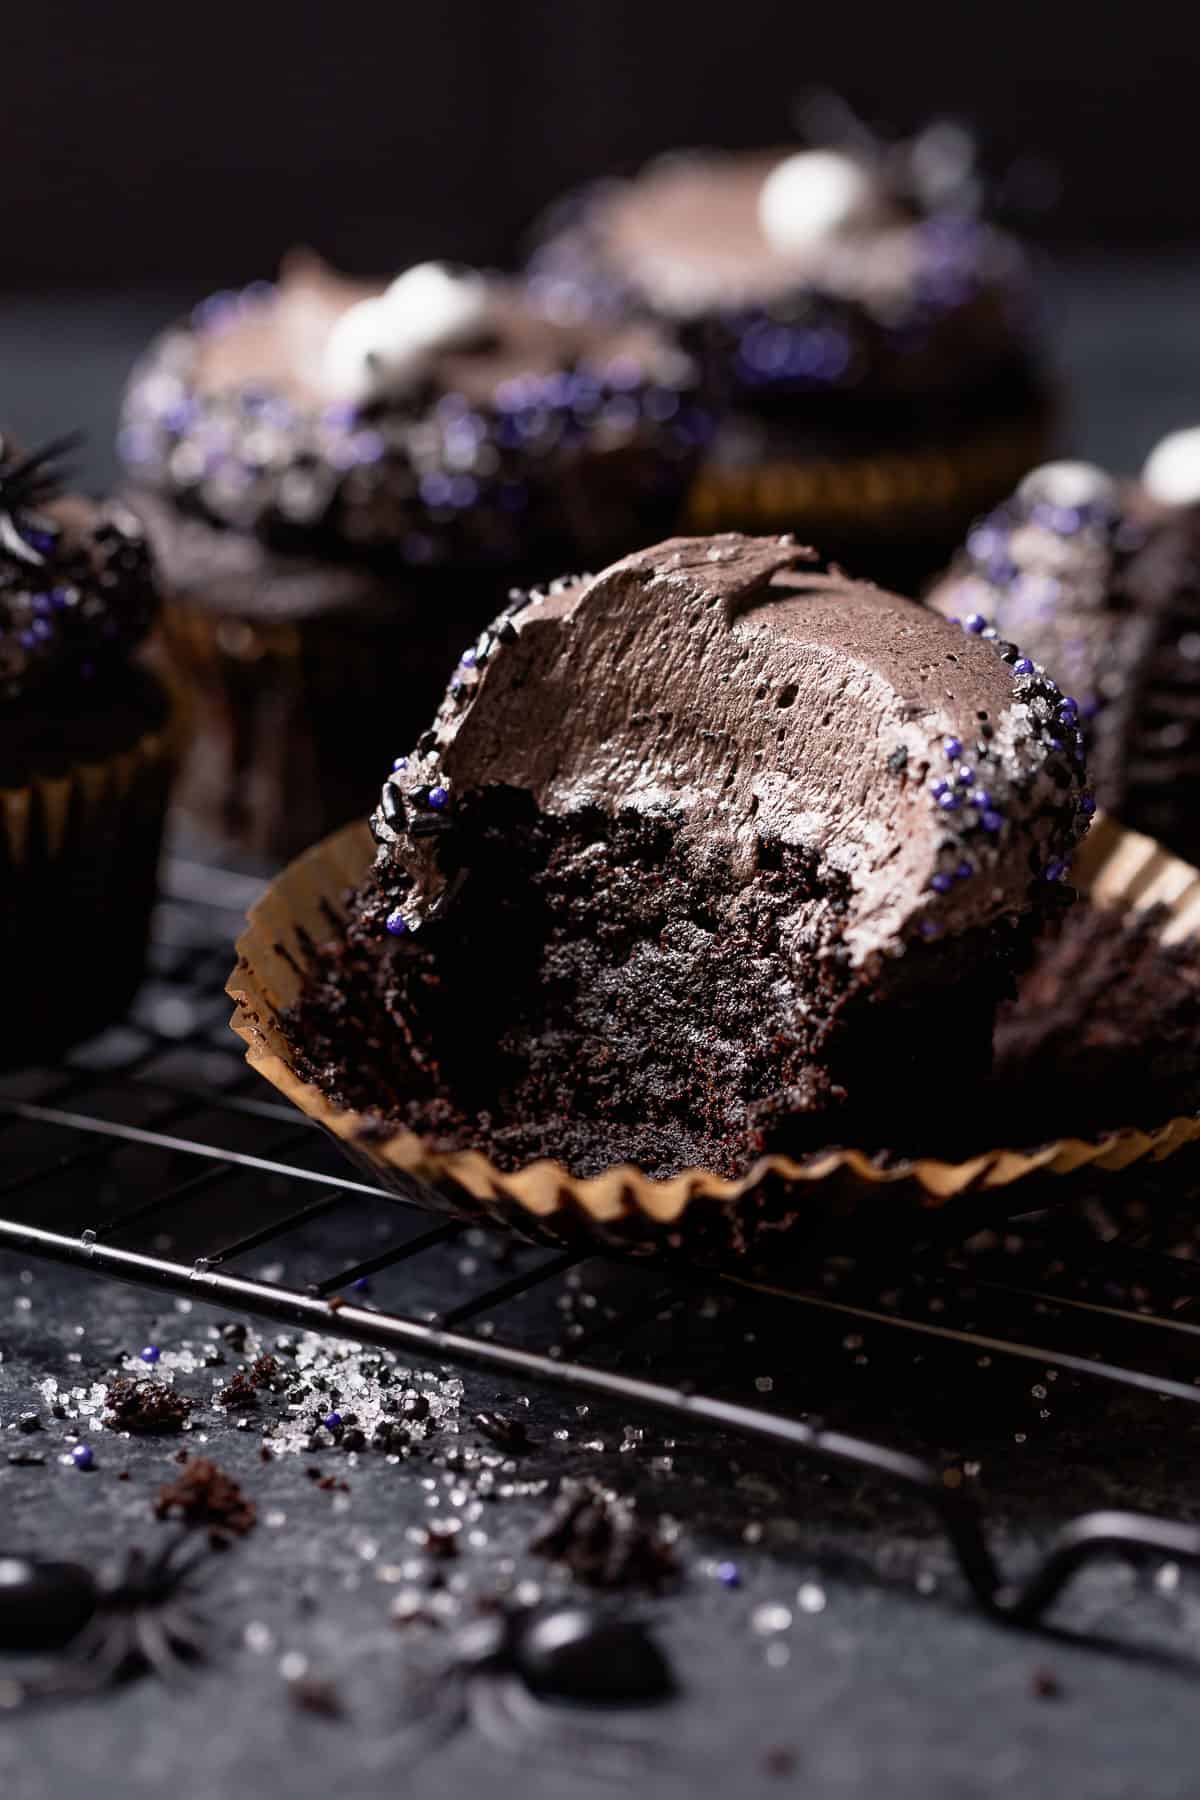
x=83 y=1456
x=1068 y=708
x=729 y=1574
x=438 y=798
x=942 y=883
x=332 y=1421
x=1022 y=666
x=1087 y=804
x=965 y=776
x=1054 y=871
x=467 y=659
x=151 y=1353
x=981 y=798
x=991 y=821
x=975 y=623
x=964 y=871
x=949 y=802
x=361 y=1286
x=396 y=923
x=401 y=762
x=1053 y=743
x=939 y=788
x=953 y=748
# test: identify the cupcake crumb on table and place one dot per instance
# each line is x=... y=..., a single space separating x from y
x=711 y=855
x=86 y=755
x=872 y=338
x=342 y=478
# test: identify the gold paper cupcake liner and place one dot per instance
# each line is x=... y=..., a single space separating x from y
x=624 y=1205
x=908 y=494
x=78 y=873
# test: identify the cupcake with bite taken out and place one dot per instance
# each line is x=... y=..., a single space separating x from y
x=712 y=856
x=872 y=338
x=1098 y=579
x=85 y=758
x=340 y=479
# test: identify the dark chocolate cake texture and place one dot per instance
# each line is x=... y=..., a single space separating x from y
x=1100 y=581
x=708 y=855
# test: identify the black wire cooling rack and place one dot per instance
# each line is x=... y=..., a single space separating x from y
x=152 y=1155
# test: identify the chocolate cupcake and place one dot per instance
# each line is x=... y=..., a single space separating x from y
x=871 y=338
x=85 y=759
x=341 y=479
x=708 y=857
x=1099 y=581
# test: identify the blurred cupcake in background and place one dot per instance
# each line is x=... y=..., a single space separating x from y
x=85 y=759
x=341 y=480
x=872 y=339
x=1099 y=581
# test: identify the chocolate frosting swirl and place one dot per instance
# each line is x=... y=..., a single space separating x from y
x=723 y=682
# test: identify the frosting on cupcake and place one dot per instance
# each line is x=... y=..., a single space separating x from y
x=76 y=584
x=723 y=685
x=434 y=417
x=817 y=269
x=1100 y=580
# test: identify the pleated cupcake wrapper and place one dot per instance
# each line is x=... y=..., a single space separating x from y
x=78 y=863
x=911 y=492
x=35 y=819
x=1114 y=867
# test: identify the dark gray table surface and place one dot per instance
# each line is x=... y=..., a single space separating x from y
x=891 y=1682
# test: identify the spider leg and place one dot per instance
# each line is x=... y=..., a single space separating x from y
x=156 y=1649
x=101 y=1654
x=185 y=1631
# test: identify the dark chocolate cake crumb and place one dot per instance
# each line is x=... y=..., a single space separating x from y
x=240 y=1391
x=321 y=1698
x=205 y=1496
x=510 y=1434
x=602 y=1539
x=145 y=1408
x=1045 y=1685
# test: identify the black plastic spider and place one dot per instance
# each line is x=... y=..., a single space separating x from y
x=25 y=484
x=100 y=1632
x=550 y=1681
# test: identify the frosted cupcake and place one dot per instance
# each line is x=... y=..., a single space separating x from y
x=341 y=478
x=871 y=335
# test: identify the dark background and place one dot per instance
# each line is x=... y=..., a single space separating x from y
x=148 y=142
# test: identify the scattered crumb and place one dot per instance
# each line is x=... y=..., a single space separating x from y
x=319 y=1697
x=145 y=1407
x=601 y=1537
x=1046 y=1685
x=203 y=1495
